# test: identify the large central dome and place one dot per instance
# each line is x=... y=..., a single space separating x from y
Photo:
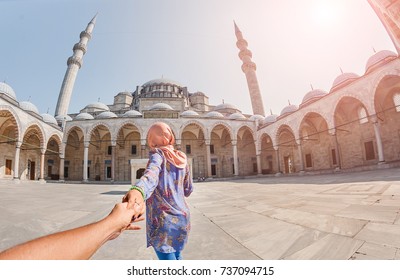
x=162 y=82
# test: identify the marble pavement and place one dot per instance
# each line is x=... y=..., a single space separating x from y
x=342 y=216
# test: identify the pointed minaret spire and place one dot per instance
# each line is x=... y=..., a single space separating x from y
x=388 y=13
x=249 y=69
x=74 y=64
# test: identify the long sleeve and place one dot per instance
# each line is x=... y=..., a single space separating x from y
x=149 y=181
x=188 y=182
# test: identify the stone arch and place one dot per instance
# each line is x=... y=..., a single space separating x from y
x=192 y=122
x=246 y=151
x=316 y=144
x=289 y=160
x=306 y=111
x=377 y=81
x=249 y=128
x=267 y=150
x=14 y=120
x=31 y=129
x=97 y=125
x=224 y=124
x=73 y=145
x=341 y=101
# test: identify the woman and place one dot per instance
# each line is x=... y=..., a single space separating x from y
x=164 y=185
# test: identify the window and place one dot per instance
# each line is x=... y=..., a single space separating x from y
x=188 y=149
x=362 y=115
x=255 y=167
x=369 y=150
x=308 y=160
x=109 y=150
x=133 y=150
x=396 y=100
x=334 y=160
x=8 y=166
x=212 y=149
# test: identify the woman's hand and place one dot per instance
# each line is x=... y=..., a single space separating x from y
x=135 y=201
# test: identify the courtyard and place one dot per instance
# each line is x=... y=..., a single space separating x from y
x=339 y=216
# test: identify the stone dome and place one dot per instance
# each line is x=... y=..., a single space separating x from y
x=256 y=117
x=214 y=114
x=161 y=107
x=47 y=118
x=106 y=115
x=161 y=82
x=289 y=109
x=378 y=59
x=84 y=116
x=344 y=79
x=225 y=106
x=7 y=90
x=96 y=107
x=131 y=113
x=28 y=106
x=189 y=113
x=270 y=119
x=198 y=93
x=60 y=118
x=313 y=95
x=237 y=116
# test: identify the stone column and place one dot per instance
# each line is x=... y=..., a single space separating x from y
x=301 y=157
x=259 y=171
x=277 y=159
x=143 y=148
x=208 y=158
x=61 y=178
x=85 y=160
x=16 y=161
x=235 y=158
x=113 y=151
x=42 y=154
x=378 y=138
x=178 y=144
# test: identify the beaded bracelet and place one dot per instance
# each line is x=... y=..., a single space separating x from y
x=138 y=189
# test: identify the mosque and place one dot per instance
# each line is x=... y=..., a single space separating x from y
x=355 y=125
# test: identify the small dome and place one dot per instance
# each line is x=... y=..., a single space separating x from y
x=189 y=113
x=84 y=116
x=131 y=113
x=28 y=106
x=7 y=90
x=270 y=119
x=97 y=106
x=313 y=95
x=106 y=115
x=378 y=59
x=225 y=106
x=214 y=114
x=47 y=118
x=125 y=93
x=256 y=117
x=343 y=79
x=161 y=81
x=289 y=109
x=198 y=93
x=237 y=116
x=60 y=118
x=161 y=107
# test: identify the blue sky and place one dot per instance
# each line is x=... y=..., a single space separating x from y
x=294 y=43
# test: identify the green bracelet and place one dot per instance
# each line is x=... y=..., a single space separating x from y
x=138 y=189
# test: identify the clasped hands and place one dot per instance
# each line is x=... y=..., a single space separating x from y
x=124 y=214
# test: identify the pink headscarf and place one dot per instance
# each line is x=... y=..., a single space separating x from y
x=160 y=136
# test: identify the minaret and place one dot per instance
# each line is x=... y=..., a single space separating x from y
x=74 y=64
x=389 y=14
x=249 y=69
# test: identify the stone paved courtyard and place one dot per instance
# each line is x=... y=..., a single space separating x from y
x=335 y=216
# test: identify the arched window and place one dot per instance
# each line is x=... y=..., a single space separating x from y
x=362 y=115
x=396 y=100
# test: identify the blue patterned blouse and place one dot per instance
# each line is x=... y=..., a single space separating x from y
x=167 y=213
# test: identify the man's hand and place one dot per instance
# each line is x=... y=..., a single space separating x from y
x=122 y=218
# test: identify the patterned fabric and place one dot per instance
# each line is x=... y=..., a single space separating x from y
x=167 y=213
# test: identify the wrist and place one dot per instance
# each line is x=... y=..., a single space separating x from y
x=138 y=189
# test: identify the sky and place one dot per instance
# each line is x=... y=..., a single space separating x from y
x=297 y=45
